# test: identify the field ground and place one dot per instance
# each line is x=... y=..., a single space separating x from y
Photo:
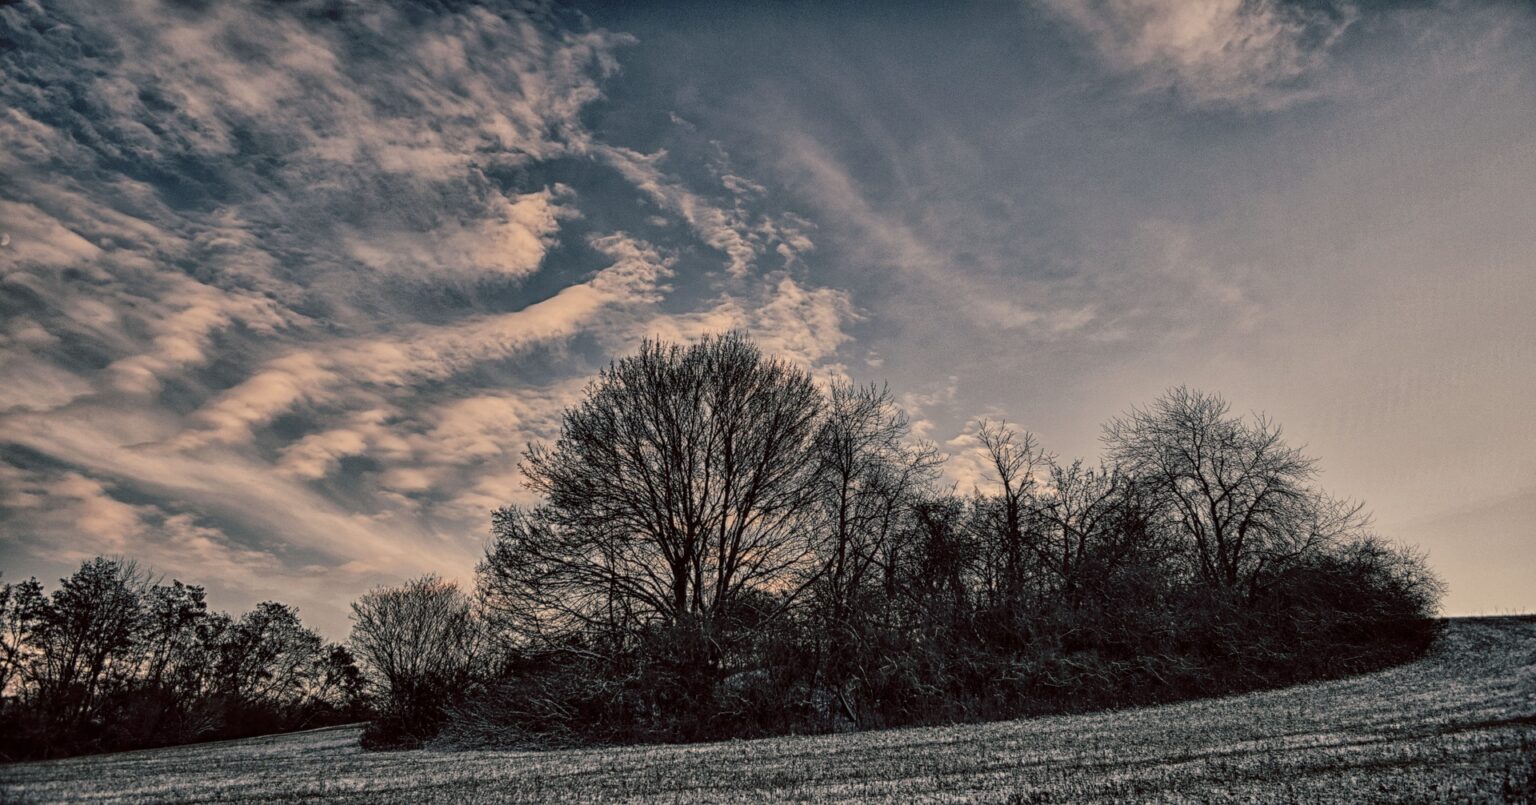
x=1457 y=726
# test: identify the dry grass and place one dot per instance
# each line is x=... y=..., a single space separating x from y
x=1459 y=725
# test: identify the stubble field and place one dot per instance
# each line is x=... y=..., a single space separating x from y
x=1458 y=726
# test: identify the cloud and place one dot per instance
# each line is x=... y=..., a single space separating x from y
x=38 y=239
x=507 y=239
x=420 y=354
x=469 y=449
x=217 y=215
x=805 y=324
x=230 y=169
x=103 y=524
x=922 y=406
x=1261 y=54
x=319 y=454
x=286 y=288
x=1148 y=282
x=34 y=385
x=731 y=230
x=787 y=319
x=182 y=338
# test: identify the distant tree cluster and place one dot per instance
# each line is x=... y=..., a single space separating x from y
x=726 y=548
x=112 y=659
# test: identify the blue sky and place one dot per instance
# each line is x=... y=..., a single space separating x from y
x=286 y=287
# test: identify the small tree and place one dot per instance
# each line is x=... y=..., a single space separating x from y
x=1004 y=521
x=270 y=664
x=172 y=652
x=869 y=472
x=344 y=689
x=423 y=642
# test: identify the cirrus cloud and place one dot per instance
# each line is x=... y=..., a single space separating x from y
x=1233 y=53
x=288 y=286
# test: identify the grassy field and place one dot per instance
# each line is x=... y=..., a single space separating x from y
x=1458 y=726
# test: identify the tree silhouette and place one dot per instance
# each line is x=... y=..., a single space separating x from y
x=682 y=483
x=1232 y=487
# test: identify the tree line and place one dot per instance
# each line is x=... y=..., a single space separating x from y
x=115 y=659
x=723 y=547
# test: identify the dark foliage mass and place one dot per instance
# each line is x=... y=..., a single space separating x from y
x=114 y=660
x=726 y=549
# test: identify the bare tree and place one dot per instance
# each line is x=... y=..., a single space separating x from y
x=85 y=635
x=870 y=473
x=1081 y=512
x=21 y=609
x=422 y=640
x=170 y=643
x=869 y=469
x=270 y=657
x=682 y=483
x=1231 y=486
x=939 y=563
x=1005 y=519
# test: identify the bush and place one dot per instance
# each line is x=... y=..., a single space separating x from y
x=423 y=640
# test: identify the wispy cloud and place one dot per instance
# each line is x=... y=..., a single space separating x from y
x=732 y=229
x=1261 y=54
x=326 y=373
x=1153 y=284
x=280 y=288
x=507 y=239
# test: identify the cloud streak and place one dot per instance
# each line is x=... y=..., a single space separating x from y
x=422 y=354
x=1262 y=55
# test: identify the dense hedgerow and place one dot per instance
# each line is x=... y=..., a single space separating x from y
x=725 y=548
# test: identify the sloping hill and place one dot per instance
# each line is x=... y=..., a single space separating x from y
x=1459 y=725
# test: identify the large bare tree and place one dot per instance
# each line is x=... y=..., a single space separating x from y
x=85 y=635
x=681 y=484
x=1230 y=485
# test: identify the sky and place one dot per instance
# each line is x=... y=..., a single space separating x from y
x=286 y=288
